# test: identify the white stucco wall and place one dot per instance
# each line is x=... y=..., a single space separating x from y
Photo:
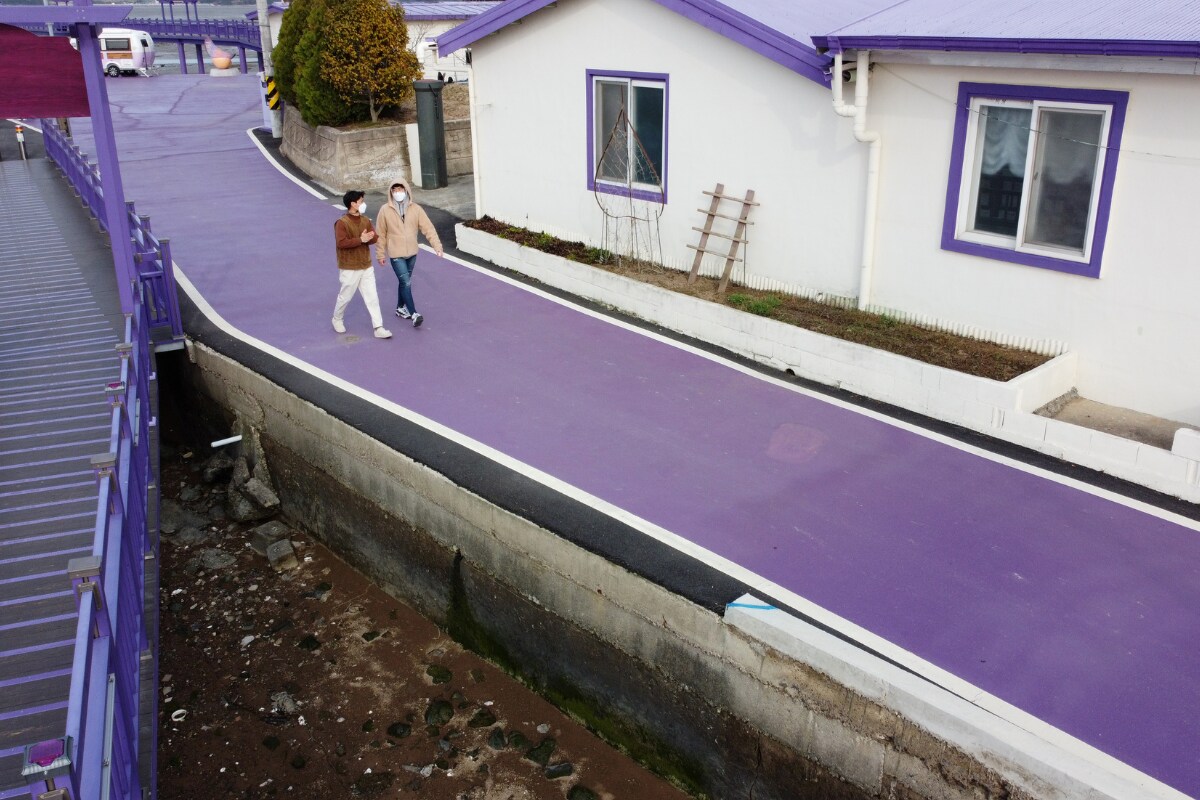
x=420 y=36
x=734 y=117
x=1134 y=327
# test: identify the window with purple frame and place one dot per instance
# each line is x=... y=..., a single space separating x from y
x=1031 y=174
x=627 y=134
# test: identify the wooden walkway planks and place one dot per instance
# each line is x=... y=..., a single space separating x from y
x=57 y=338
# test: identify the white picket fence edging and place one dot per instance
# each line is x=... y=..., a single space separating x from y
x=1003 y=410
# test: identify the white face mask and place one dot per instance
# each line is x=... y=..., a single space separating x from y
x=399 y=196
x=362 y=209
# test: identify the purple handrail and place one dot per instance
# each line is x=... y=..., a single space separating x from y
x=114 y=631
x=245 y=33
x=152 y=256
x=236 y=32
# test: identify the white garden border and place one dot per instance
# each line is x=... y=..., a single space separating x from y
x=1003 y=410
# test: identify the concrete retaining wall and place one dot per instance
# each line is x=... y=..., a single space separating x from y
x=1002 y=410
x=362 y=158
x=706 y=701
x=459 y=158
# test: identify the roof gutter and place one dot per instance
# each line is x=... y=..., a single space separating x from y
x=1145 y=48
x=858 y=112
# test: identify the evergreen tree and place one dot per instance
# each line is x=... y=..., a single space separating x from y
x=295 y=21
x=365 y=56
x=319 y=103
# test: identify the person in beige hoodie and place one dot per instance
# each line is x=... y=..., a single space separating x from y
x=398 y=223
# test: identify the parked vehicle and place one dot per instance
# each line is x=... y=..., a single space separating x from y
x=123 y=50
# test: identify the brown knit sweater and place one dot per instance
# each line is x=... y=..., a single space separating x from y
x=352 y=252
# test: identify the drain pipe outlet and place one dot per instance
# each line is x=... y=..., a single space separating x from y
x=858 y=112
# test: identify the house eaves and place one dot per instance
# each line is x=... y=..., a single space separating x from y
x=1073 y=47
x=717 y=17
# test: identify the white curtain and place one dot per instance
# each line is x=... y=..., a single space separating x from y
x=1006 y=139
x=1069 y=145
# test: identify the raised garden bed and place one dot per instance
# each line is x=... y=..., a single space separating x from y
x=959 y=353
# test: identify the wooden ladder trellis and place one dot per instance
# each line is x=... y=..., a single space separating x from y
x=735 y=241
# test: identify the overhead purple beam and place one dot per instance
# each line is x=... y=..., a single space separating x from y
x=65 y=15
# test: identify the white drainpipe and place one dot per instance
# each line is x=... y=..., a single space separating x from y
x=859 y=112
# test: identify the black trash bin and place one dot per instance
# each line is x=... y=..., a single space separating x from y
x=431 y=128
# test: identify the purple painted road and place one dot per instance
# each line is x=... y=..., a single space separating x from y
x=1074 y=608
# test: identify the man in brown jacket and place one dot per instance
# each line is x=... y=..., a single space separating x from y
x=398 y=223
x=354 y=235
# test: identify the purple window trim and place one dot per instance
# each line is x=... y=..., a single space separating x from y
x=970 y=91
x=608 y=188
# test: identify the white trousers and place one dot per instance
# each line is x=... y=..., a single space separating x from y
x=363 y=282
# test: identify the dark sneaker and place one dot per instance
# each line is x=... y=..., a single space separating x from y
x=417 y=320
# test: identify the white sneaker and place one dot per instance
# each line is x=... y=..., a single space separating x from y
x=402 y=313
x=382 y=333
x=417 y=320
x=339 y=326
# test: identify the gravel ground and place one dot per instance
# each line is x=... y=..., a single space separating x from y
x=310 y=682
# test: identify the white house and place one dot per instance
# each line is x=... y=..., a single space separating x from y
x=909 y=195
x=427 y=21
x=1040 y=175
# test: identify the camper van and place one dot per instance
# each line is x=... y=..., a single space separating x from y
x=123 y=50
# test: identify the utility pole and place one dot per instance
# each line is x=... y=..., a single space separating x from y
x=264 y=34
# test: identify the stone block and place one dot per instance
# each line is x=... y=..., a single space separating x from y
x=1071 y=438
x=240 y=474
x=268 y=534
x=281 y=556
x=1115 y=448
x=1163 y=464
x=218 y=468
x=261 y=494
x=1187 y=443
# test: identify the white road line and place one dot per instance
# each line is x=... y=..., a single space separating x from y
x=270 y=160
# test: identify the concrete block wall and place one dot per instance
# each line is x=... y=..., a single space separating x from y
x=360 y=158
x=459 y=158
x=748 y=710
x=1000 y=409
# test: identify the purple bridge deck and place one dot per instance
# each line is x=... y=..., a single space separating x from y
x=1069 y=604
x=59 y=322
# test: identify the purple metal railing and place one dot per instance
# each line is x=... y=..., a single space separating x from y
x=152 y=256
x=99 y=755
x=221 y=31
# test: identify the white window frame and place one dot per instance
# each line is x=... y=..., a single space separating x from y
x=968 y=193
x=598 y=146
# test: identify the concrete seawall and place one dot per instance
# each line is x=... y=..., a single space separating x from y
x=661 y=675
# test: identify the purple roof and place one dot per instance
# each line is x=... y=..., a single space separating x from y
x=424 y=12
x=273 y=8
x=436 y=11
x=1099 y=27
x=776 y=29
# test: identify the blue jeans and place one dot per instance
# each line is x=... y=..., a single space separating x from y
x=403 y=267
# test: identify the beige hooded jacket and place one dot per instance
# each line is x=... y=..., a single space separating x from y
x=397 y=225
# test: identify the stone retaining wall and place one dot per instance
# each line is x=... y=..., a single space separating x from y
x=367 y=158
x=459 y=155
x=361 y=158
